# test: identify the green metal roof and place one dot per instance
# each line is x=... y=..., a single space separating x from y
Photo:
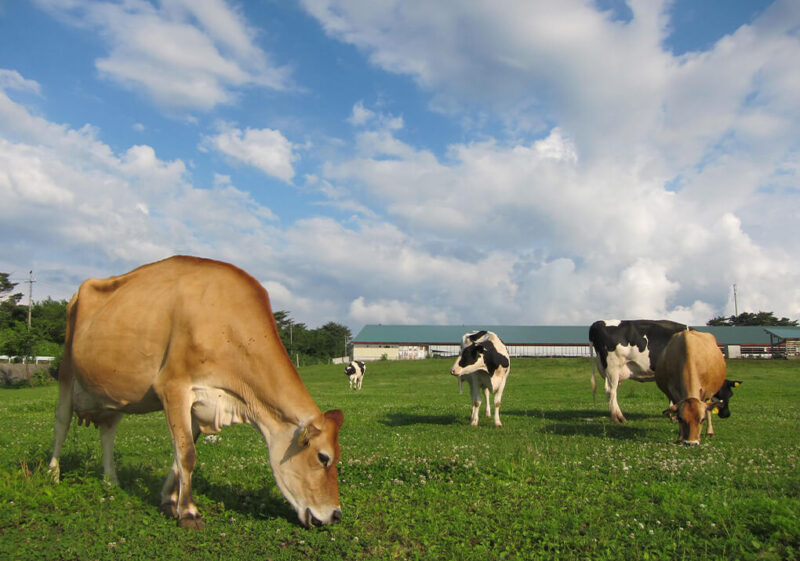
x=741 y=335
x=784 y=332
x=530 y=334
x=451 y=334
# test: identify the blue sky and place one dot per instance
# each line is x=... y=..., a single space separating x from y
x=412 y=162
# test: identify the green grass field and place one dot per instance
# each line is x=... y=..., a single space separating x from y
x=557 y=481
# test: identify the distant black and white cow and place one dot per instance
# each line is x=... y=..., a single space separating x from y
x=485 y=364
x=355 y=372
x=628 y=349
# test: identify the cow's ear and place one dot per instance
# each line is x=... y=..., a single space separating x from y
x=670 y=411
x=736 y=383
x=335 y=416
x=716 y=406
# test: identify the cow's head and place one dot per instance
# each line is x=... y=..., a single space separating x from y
x=479 y=356
x=304 y=465
x=691 y=413
x=724 y=396
x=350 y=370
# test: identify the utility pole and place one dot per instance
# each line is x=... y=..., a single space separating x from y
x=735 y=302
x=30 y=282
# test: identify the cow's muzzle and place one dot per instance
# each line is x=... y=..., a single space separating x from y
x=311 y=520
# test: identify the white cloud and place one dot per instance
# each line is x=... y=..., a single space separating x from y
x=69 y=200
x=264 y=149
x=386 y=311
x=185 y=55
x=598 y=175
x=361 y=115
x=13 y=80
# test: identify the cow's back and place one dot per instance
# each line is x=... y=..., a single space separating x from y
x=124 y=329
x=691 y=366
x=707 y=363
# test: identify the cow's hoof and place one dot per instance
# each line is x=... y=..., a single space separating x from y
x=191 y=523
x=168 y=509
x=55 y=474
x=499 y=425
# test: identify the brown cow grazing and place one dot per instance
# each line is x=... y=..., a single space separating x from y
x=690 y=371
x=195 y=338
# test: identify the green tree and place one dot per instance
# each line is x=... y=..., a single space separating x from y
x=49 y=320
x=9 y=303
x=312 y=346
x=748 y=318
x=337 y=338
x=17 y=340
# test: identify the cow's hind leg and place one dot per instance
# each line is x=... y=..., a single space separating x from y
x=487 y=397
x=498 y=398
x=108 y=430
x=177 y=407
x=63 y=419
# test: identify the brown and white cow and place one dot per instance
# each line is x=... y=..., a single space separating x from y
x=485 y=363
x=195 y=338
x=690 y=371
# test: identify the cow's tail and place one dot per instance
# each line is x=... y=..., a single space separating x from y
x=460 y=383
x=594 y=383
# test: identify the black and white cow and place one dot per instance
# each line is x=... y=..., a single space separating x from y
x=724 y=396
x=485 y=364
x=628 y=349
x=355 y=372
x=631 y=349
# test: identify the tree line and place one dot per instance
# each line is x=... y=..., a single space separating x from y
x=748 y=318
x=49 y=323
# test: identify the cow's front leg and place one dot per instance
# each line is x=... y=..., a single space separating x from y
x=171 y=489
x=710 y=430
x=612 y=382
x=177 y=407
x=476 y=401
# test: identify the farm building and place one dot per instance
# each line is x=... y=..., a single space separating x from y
x=786 y=337
x=411 y=342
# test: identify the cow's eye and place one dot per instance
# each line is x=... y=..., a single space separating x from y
x=324 y=459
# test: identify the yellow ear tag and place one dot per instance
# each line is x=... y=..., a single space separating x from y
x=301 y=440
x=737 y=384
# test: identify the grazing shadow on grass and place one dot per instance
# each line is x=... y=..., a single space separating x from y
x=145 y=483
x=407 y=419
x=586 y=422
x=573 y=414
